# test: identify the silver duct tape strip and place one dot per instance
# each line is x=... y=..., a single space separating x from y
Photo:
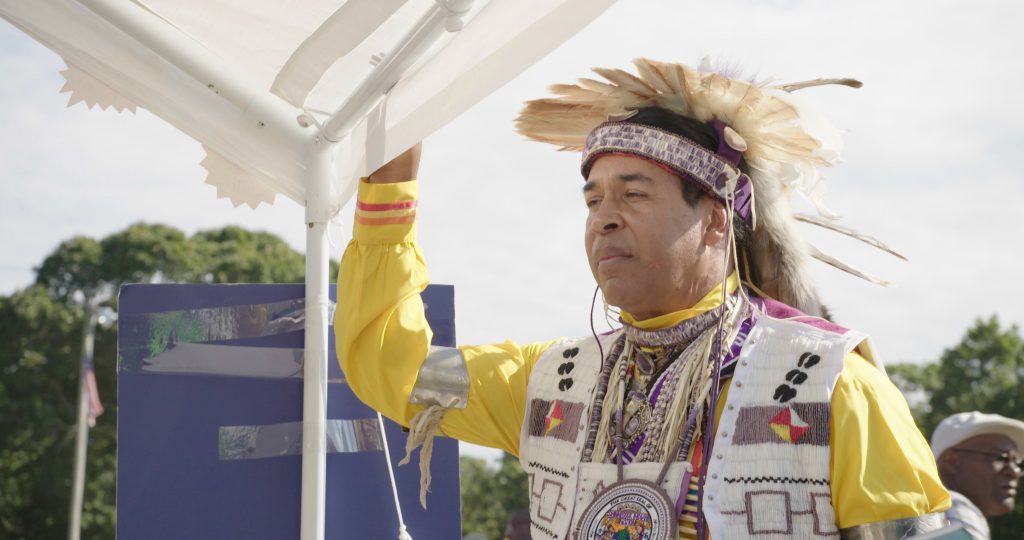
x=274 y=440
x=895 y=529
x=156 y=331
x=226 y=360
x=443 y=380
x=223 y=323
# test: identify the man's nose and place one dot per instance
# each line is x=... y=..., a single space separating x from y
x=606 y=218
x=1012 y=469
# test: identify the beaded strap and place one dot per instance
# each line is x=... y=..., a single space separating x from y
x=602 y=389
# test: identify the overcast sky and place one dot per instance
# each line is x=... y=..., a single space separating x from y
x=932 y=166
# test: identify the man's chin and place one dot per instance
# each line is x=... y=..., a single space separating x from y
x=1002 y=507
x=617 y=292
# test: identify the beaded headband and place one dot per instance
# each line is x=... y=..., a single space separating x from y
x=711 y=172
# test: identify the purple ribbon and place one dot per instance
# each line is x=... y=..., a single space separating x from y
x=743 y=196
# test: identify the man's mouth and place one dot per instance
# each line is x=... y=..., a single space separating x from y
x=611 y=254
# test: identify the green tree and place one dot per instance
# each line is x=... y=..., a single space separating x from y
x=237 y=255
x=38 y=399
x=490 y=493
x=41 y=327
x=982 y=372
x=74 y=266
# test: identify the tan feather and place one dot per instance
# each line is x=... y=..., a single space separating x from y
x=627 y=81
x=574 y=95
x=869 y=240
x=674 y=75
x=652 y=76
x=554 y=122
x=853 y=271
x=597 y=86
x=571 y=90
x=669 y=84
x=612 y=103
x=793 y=87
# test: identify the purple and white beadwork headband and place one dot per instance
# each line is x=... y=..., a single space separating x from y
x=712 y=173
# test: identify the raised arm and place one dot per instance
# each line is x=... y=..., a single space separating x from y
x=382 y=336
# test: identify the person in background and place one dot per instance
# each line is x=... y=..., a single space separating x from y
x=979 y=459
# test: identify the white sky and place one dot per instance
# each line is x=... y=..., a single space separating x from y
x=932 y=166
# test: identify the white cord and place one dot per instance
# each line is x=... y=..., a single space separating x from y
x=403 y=534
x=338 y=247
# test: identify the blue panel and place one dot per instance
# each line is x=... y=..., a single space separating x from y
x=172 y=483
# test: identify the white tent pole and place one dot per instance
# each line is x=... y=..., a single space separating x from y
x=201 y=64
x=409 y=49
x=319 y=176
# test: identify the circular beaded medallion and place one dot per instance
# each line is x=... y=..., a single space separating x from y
x=629 y=510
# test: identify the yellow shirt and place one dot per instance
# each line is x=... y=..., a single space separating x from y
x=882 y=467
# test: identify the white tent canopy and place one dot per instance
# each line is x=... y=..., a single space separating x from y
x=224 y=71
x=299 y=98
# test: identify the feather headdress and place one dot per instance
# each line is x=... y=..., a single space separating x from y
x=785 y=147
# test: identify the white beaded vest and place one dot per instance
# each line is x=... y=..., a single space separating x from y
x=768 y=474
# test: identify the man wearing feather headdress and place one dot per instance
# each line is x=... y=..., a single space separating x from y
x=726 y=406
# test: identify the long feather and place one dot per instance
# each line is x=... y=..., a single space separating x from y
x=596 y=86
x=675 y=75
x=627 y=81
x=869 y=240
x=832 y=261
x=793 y=87
x=652 y=76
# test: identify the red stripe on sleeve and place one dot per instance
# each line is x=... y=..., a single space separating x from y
x=368 y=207
x=385 y=221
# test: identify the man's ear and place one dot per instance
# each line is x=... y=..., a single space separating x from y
x=717 y=232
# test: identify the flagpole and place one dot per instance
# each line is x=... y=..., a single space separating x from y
x=82 y=439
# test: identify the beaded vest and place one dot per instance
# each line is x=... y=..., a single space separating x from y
x=768 y=472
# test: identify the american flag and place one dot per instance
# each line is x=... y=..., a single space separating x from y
x=91 y=391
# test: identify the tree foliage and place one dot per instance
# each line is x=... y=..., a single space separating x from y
x=240 y=255
x=983 y=372
x=41 y=327
x=490 y=493
x=73 y=266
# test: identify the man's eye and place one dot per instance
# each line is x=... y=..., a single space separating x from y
x=592 y=202
x=635 y=195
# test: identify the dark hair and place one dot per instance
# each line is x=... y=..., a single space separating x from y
x=705 y=136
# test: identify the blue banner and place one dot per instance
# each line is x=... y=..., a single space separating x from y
x=209 y=423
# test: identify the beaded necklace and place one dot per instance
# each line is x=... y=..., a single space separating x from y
x=667 y=374
x=673 y=370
